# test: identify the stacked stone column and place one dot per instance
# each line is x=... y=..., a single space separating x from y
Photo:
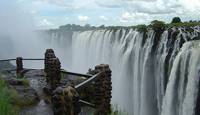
x=54 y=72
x=19 y=64
x=103 y=87
x=52 y=69
x=66 y=101
x=49 y=54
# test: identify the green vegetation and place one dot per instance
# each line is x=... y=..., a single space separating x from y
x=116 y=111
x=74 y=27
x=10 y=99
x=20 y=101
x=157 y=25
x=6 y=108
x=184 y=24
x=176 y=20
x=141 y=28
x=25 y=82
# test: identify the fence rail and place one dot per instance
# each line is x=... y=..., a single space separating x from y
x=87 y=103
x=87 y=81
x=33 y=59
x=78 y=74
x=8 y=60
x=29 y=59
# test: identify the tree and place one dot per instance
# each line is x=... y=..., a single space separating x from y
x=87 y=26
x=142 y=28
x=176 y=20
x=102 y=26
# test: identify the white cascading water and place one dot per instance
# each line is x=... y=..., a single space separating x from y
x=140 y=73
x=181 y=93
x=133 y=80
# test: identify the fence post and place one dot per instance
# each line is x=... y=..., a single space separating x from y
x=54 y=72
x=103 y=87
x=19 y=64
x=65 y=101
x=49 y=54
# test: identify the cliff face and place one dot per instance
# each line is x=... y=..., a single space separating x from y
x=154 y=72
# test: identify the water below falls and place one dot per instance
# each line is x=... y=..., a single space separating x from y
x=153 y=73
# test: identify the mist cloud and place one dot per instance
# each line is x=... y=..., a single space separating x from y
x=17 y=37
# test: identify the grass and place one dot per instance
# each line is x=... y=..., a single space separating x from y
x=25 y=82
x=10 y=102
x=6 y=108
x=18 y=100
x=116 y=111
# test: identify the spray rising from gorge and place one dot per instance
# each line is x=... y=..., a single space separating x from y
x=19 y=36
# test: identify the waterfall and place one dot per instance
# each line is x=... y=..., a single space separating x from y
x=182 y=88
x=153 y=73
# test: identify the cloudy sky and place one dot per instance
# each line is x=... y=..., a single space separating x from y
x=52 y=13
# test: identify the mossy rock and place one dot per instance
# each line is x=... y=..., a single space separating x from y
x=23 y=96
x=21 y=93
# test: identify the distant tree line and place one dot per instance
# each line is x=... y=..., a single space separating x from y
x=161 y=25
x=156 y=25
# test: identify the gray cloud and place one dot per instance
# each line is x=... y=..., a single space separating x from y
x=117 y=9
x=108 y=4
x=139 y=0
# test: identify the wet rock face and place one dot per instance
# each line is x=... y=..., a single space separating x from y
x=65 y=101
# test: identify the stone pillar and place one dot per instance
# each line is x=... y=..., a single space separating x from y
x=19 y=64
x=103 y=87
x=53 y=73
x=65 y=101
x=49 y=54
